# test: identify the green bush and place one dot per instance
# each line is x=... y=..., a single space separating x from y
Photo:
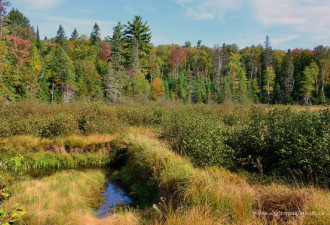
x=200 y=137
x=286 y=143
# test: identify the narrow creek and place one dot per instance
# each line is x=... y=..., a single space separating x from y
x=113 y=195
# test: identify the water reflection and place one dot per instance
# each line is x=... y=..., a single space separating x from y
x=113 y=196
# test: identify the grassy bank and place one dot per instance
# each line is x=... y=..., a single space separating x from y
x=64 y=198
x=60 y=153
x=212 y=195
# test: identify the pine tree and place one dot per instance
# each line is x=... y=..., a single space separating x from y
x=37 y=35
x=19 y=25
x=268 y=53
x=138 y=37
x=267 y=63
x=62 y=77
x=60 y=37
x=74 y=35
x=95 y=35
x=117 y=47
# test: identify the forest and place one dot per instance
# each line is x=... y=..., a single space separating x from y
x=117 y=131
x=72 y=67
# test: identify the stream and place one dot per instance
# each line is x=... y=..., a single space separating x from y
x=114 y=195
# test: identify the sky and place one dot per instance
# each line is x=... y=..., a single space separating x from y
x=289 y=23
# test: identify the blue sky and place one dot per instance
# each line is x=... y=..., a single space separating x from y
x=289 y=23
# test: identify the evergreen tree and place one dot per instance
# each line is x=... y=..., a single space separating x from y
x=268 y=53
x=61 y=77
x=96 y=35
x=37 y=35
x=187 y=44
x=267 y=63
x=19 y=25
x=138 y=37
x=117 y=46
x=60 y=37
x=74 y=35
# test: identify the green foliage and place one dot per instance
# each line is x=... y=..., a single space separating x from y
x=14 y=214
x=285 y=143
x=95 y=35
x=57 y=120
x=199 y=137
x=307 y=84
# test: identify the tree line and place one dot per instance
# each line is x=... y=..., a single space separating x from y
x=64 y=69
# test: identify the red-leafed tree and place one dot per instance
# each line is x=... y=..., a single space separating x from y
x=178 y=57
x=20 y=49
x=106 y=52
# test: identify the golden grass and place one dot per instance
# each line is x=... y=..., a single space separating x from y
x=217 y=191
x=64 y=198
x=301 y=107
x=23 y=144
x=197 y=196
x=216 y=196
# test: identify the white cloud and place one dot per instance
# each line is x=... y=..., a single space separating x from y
x=310 y=17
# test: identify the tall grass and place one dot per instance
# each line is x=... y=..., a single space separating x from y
x=60 y=153
x=190 y=194
x=64 y=198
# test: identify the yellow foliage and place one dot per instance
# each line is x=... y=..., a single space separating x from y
x=157 y=89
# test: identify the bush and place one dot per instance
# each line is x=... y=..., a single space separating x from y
x=286 y=143
x=199 y=137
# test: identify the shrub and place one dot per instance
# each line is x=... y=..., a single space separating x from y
x=202 y=138
x=285 y=142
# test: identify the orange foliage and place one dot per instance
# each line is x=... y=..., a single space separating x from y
x=157 y=89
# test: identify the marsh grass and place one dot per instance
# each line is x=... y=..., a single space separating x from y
x=64 y=198
x=190 y=195
x=67 y=152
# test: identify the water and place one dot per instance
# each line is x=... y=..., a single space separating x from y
x=113 y=196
